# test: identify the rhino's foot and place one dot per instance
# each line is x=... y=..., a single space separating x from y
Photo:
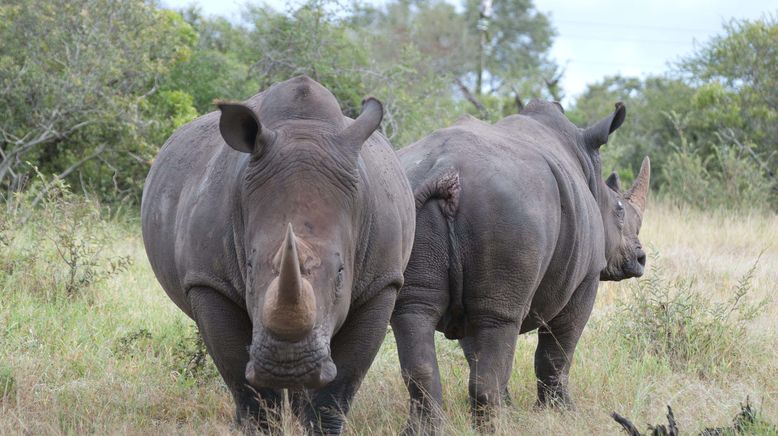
x=506 y=397
x=249 y=426
x=418 y=429
x=326 y=420
x=555 y=398
x=266 y=421
x=422 y=422
x=483 y=419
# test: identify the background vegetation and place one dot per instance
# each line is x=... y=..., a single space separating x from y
x=90 y=90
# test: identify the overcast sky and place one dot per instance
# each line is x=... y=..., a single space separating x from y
x=598 y=38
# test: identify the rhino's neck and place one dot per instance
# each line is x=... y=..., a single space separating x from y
x=238 y=226
x=364 y=222
x=591 y=168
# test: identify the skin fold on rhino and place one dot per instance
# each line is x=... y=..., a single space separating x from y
x=282 y=228
x=514 y=230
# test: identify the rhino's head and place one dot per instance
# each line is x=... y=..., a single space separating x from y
x=622 y=220
x=622 y=212
x=300 y=214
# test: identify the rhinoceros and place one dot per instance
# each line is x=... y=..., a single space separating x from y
x=282 y=228
x=514 y=230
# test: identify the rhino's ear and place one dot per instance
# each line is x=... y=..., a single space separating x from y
x=366 y=123
x=597 y=135
x=614 y=182
x=241 y=129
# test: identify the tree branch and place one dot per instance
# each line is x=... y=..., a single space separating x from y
x=517 y=99
x=471 y=98
x=61 y=176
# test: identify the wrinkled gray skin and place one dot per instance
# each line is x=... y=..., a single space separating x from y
x=282 y=228
x=514 y=230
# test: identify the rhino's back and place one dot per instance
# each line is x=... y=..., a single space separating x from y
x=525 y=213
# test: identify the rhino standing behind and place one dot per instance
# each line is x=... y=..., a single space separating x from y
x=514 y=230
x=283 y=228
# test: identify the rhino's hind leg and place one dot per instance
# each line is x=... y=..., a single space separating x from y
x=489 y=350
x=226 y=330
x=415 y=336
x=354 y=347
x=557 y=340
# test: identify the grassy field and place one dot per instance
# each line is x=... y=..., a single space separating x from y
x=118 y=357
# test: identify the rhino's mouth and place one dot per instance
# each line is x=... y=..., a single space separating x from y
x=281 y=364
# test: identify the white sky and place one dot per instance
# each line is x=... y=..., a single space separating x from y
x=598 y=38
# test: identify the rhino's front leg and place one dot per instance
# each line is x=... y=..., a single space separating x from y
x=226 y=330
x=557 y=340
x=354 y=347
x=489 y=349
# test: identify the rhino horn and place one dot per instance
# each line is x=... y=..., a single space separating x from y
x=289 y=310
x=638 y=193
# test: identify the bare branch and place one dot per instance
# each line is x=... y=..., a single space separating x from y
x=517 y=99
x=62 y=175
x=471 y=98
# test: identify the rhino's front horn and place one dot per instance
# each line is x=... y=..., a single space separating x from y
x=638 y=193
x=289 y=310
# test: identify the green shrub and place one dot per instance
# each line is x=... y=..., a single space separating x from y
x=191 y=357
x=56 y=248
x=727 y=177
x=133 y=342
x=666 y=318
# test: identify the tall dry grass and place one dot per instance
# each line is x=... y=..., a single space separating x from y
x=119 y=359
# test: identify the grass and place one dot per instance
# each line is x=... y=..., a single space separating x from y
x=121 y=358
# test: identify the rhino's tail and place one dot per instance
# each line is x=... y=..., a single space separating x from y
x=444 y=185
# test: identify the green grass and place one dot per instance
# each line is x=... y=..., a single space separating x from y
x=117 y=356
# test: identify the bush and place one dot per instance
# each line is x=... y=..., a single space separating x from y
x=666 y=318
x=194 y=365
x=728 y=177
x=56 y=249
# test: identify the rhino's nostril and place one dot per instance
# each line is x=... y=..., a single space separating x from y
x=642 y=259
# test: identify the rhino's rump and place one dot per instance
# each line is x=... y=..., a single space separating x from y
x=526 y=221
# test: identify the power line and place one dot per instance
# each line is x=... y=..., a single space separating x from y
x=617 y=64
x=636 y=26
x=617 y=40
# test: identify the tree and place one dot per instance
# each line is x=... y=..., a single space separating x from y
x=75 y=78
x=509 y=50
x=736 y=76
x=710 y=127
x=337 y=51
x=220 y=64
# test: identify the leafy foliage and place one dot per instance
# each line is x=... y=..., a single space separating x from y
x=92 y=88
x=74 y=75
x=194 y=364
x=668 y=319
x=711 y=129
x=62 y=253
